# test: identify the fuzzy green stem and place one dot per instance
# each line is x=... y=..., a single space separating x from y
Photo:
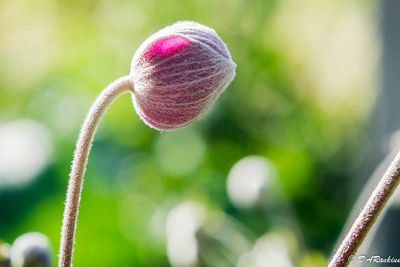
x=83 y=145
x=367 y=217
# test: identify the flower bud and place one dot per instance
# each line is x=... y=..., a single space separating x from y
x=178 y=73
x=31 y=249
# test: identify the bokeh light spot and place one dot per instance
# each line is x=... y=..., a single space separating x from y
x=25 y=149
x=247 y=180
x=180 y=153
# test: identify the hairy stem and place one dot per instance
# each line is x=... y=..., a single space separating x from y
x=362 y=199
x=79 y=162
x=368 y=215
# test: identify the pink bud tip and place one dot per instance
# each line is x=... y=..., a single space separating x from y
x=167 y=46
x=178 y=73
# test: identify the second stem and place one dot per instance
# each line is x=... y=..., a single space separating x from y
x=368 y=215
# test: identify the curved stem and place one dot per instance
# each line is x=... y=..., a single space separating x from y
x=79 y=162
x=368 y=215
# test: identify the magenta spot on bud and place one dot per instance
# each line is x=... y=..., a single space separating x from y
x=167 y=46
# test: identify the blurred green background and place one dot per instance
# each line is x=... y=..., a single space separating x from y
x=262 y=180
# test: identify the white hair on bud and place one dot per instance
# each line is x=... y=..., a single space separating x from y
x=178 y=72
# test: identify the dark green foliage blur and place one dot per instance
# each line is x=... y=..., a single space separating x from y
x=56 y=57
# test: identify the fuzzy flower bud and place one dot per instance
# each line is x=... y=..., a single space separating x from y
x=178 y=73
x=31 y=250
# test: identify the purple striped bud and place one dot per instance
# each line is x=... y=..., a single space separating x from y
x=178 y=73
